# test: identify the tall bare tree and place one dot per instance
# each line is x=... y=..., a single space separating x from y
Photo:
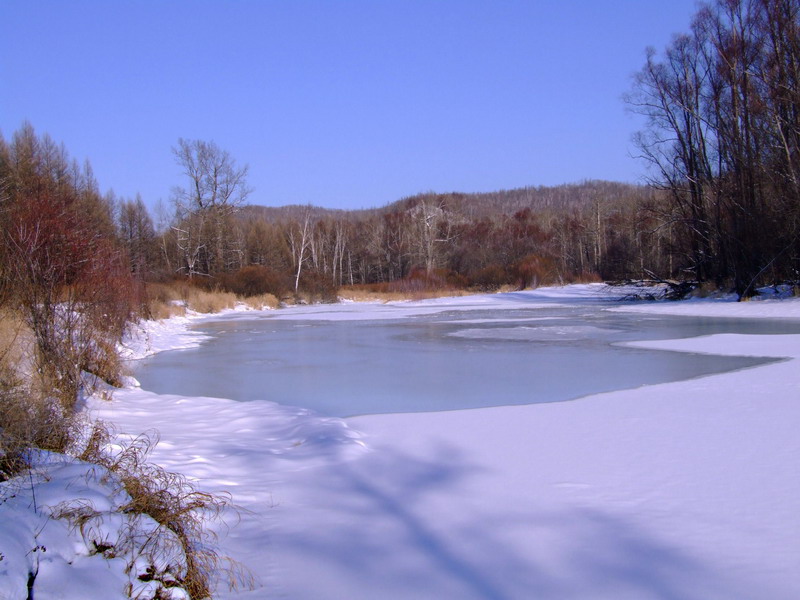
x=216 y=188
x=299 y=234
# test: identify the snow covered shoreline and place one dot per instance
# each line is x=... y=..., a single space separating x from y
x=680 y=490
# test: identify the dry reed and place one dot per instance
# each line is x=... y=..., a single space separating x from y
x=368 y=293
x=262 y=301
x=180 y=551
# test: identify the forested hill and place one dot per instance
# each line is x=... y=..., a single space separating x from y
x=560 y=198
x=510 y=237
x=294 y=212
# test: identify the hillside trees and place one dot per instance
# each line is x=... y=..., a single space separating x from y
x=298 y=236
x=557 y=235
x=530 y=236
x=431 y=228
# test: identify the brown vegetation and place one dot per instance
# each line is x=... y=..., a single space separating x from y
x=180 y=539
x=29 y=416
x=417 y=286
x=67 y=294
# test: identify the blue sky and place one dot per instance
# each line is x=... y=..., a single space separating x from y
x=340 y=103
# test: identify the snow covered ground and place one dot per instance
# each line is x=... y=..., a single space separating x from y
x=686 y=490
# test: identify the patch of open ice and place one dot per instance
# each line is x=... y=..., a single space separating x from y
x=500 y=320
x=533 y=334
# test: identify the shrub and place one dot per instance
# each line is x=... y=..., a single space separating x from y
x=534 y=270
x=255 y=280
x=71 y=287
x=317 y=287
x=490 y=278
x=262 y=301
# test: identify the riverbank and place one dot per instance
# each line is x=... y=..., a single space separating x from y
x=681 y=490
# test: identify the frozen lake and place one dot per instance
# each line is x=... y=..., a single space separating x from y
x=346 y=360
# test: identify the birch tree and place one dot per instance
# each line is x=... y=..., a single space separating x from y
x=299 y=240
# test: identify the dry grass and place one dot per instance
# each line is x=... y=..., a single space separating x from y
x=29 y=414
x=367 y=293
x=262 y=301
x=166 y=293
x=179 y=551
x=16 y=345
x=164 y=534
x=31 y=421
x=163 y=301
x=166 y=300
x=210 y=302
x=704 y=290
x=158 y=310
x=585 y=277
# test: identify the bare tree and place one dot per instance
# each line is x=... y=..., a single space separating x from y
x=65 y=276
x=137 y=235
x=431 y=229
x=216 y=188
x=299 y=239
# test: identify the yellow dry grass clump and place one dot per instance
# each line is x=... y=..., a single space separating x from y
x=16 y=345
x=181 y=543
x=29 y=415
x=210 y=302
x=359 y=293
x=166 y=300
x=262 y=301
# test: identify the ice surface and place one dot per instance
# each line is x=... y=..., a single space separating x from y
x=534 y=334
x=472 y=352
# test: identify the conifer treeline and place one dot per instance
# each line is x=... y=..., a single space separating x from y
x=65 y=276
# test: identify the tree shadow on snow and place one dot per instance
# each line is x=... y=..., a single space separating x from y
x=420 y=532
